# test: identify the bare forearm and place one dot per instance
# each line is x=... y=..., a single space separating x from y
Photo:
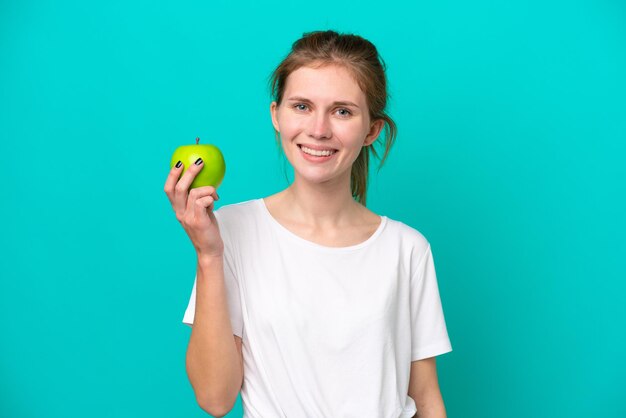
x=430 y=406
x=213 y=362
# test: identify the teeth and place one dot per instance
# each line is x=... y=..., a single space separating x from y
x=316 y=153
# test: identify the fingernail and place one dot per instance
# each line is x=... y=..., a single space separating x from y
x=178 y=164
x=198 y=161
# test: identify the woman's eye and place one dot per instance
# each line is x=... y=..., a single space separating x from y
x=303 y=108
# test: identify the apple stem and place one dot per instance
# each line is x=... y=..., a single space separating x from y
x=197 y=140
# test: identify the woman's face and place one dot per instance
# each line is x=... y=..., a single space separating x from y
x=323 y=122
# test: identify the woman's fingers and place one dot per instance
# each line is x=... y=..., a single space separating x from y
x=198 y=194
x=182 y=186
x=181 y=198
x=202 y=206
x=194 y=208
x=170 y=183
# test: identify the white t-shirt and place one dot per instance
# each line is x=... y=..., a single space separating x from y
x=328 y=332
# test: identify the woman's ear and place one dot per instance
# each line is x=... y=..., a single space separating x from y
x=375 y=129
x=273 y=109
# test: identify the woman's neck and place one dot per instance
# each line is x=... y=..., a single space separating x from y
x=320 y=205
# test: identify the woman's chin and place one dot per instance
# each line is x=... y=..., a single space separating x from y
x=321 y=177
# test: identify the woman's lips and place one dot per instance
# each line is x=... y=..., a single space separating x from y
x=317 y=147
x=315 y=158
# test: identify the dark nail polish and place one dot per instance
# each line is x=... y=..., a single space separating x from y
x=178 y=164
x=198 y=161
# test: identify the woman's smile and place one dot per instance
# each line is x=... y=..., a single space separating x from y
x=317 y=155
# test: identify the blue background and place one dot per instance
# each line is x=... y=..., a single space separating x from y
x=509 y=159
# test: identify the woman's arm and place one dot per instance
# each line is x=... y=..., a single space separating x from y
x=214 y=361
x=424 y=389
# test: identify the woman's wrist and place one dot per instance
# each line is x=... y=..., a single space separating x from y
x=209 y=259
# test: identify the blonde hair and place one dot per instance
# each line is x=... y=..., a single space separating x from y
x=361 y=59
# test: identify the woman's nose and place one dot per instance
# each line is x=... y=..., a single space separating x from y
x=319 y=127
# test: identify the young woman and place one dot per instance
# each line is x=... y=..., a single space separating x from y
x=335 y=310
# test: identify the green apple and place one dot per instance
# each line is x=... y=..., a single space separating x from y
x=213 y=169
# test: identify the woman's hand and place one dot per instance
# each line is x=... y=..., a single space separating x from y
x=194 y=210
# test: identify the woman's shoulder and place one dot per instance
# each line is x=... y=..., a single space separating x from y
x=237 y=207
x=237 y=212
x=407 y=234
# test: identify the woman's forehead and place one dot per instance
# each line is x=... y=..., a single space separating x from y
x=328 y=82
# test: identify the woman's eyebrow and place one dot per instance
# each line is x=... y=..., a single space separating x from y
x=337 y=103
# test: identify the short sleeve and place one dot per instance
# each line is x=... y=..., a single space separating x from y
x=232 y=296
x=429 y=335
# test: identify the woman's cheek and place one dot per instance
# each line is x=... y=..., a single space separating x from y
x=292 y=129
